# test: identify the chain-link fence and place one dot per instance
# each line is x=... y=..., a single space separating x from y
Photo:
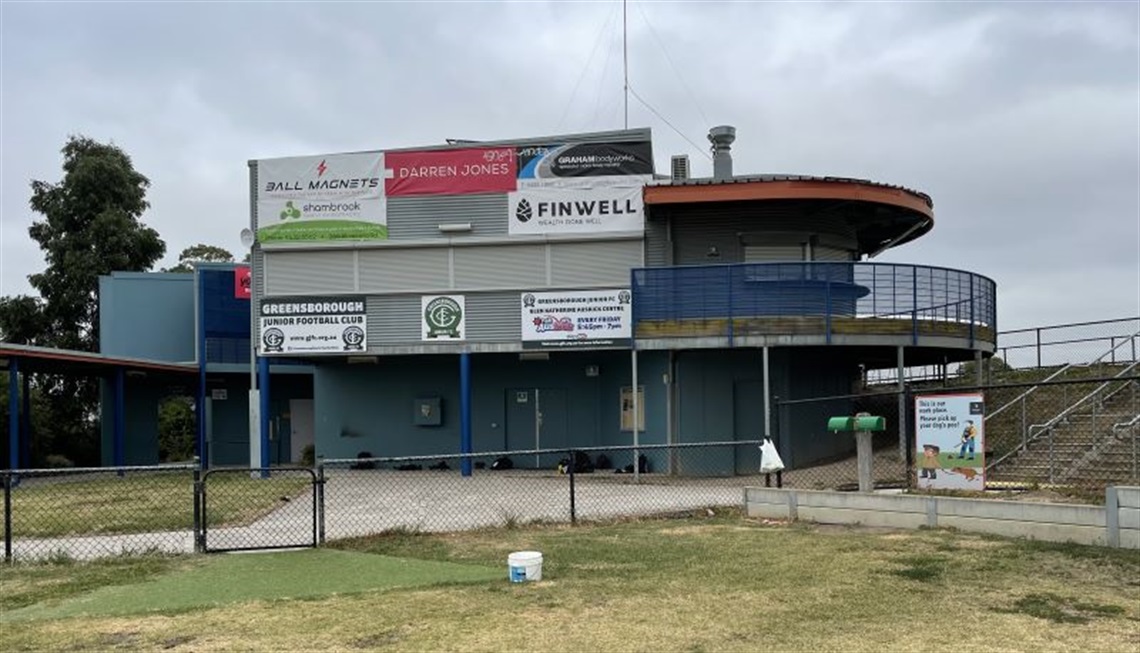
x=818 y=458
x=258 y=509
x=1080 y=433
x=94 y=512
x=365 y=496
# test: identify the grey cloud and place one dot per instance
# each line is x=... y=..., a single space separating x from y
x=1019 y=119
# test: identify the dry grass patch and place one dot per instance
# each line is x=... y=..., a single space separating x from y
x=702 y=584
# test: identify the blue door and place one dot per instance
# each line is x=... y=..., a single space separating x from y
x=536 y=418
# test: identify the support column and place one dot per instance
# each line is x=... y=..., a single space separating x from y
x=903 y=444
x=636 y=412
x=981 y=379
x=119 y=439
x=262 y=459
x=670 y=422
x=465 y=446
x=26 y=422
x=767 y=397
x=13 y=413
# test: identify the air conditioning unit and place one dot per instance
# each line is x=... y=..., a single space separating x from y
x=680 y=167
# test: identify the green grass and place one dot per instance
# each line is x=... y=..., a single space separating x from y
x=722 y=583
x=323 y=230
x=227 y=579
x=139 y=503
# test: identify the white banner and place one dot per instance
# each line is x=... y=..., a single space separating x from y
x=312 y=326
x=318 y=198
x=577 y=318
x=443 y=318
x=950 y=448
x=576 y=210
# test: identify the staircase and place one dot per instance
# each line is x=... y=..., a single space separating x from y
x=1095 y=442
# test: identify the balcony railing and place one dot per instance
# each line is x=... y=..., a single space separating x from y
x=808 y=298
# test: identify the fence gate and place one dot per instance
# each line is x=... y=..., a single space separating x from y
x=246 y=509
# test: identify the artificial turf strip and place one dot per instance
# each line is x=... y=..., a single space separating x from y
x=263 y=576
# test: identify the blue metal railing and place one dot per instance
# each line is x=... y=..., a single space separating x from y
x=916 y=294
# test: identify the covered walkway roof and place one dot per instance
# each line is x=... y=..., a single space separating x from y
x=82 y=363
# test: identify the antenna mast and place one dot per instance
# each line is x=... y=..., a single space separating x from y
x=625 y=61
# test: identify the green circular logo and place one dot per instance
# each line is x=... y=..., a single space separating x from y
x=443 y=316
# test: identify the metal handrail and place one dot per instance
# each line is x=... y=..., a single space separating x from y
x=1052 y=423
x=1120 y=426
x=1058 y=373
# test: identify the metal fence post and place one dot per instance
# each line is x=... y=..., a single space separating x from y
x=198 y=508
x=1038 y=330
x=1024 y=433
x=7 y=518
x=320 y=507
x=573 y=507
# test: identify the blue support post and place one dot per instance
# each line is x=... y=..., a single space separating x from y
x=465 y=411
x=119 y=438
x=263 y=386
x=200 y=403
x=13 y=413
x=26 y=423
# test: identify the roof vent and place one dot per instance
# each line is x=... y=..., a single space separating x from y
x=721 y=138
x=680 y=167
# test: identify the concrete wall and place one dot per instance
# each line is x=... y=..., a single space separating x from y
x=1118 y=524
x=147 y=315
x=369 y=407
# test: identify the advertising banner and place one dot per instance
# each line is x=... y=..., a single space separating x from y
x=554 y=162
x=242 y=282
x=443 y=318
x=450 y=172
x=575 y=211
x=312 y=325
x=950 y=445
x=321 y=198
x=577 y=318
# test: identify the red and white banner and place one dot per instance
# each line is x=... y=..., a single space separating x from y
x=451 y=172
x=242 y=282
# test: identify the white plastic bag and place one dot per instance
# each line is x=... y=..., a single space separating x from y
x=769 y=458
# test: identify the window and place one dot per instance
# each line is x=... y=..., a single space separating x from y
x=627 y=408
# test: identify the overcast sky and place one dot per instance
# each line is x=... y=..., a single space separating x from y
x=1021 y=120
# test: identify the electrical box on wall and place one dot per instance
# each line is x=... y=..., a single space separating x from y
x=428 y=412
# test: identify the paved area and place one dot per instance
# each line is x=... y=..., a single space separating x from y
x=365 y=502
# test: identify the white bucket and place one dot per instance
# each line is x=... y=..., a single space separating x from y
x=524 y=565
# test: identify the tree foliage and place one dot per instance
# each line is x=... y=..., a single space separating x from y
x=89 y=226
x=176 y=429
x=201 y=253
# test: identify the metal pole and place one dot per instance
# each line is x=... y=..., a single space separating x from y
x=13 y=413
x=537 y=427
x=636 y=413
x=198 y=507
x=7 y=518
x=767 y=398
x=1024 y=433
x=902 y=402
x=1038 y=347
x=573 y=508
x=978 y=377
x=625 y=68
x=465 y=412
x=321 y=501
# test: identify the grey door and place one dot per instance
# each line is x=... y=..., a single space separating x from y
x=748 y=424
x=536 y=419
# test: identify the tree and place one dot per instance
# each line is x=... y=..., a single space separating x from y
x=201 y=253
x=90 y=227
x=176 y=430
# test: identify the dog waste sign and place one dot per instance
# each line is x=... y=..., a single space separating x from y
x=950 y=444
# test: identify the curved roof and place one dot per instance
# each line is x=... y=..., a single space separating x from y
x=890 y=215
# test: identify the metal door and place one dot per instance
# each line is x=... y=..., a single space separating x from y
x=748 y=424
x=536 y=418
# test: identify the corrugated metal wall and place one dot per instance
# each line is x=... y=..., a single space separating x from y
x=658 y=249
x=490 y=317
x=418 y=218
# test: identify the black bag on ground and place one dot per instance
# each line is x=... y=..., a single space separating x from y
x=503 y=463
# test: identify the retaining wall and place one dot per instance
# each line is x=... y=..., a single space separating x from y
x=1117 y=524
